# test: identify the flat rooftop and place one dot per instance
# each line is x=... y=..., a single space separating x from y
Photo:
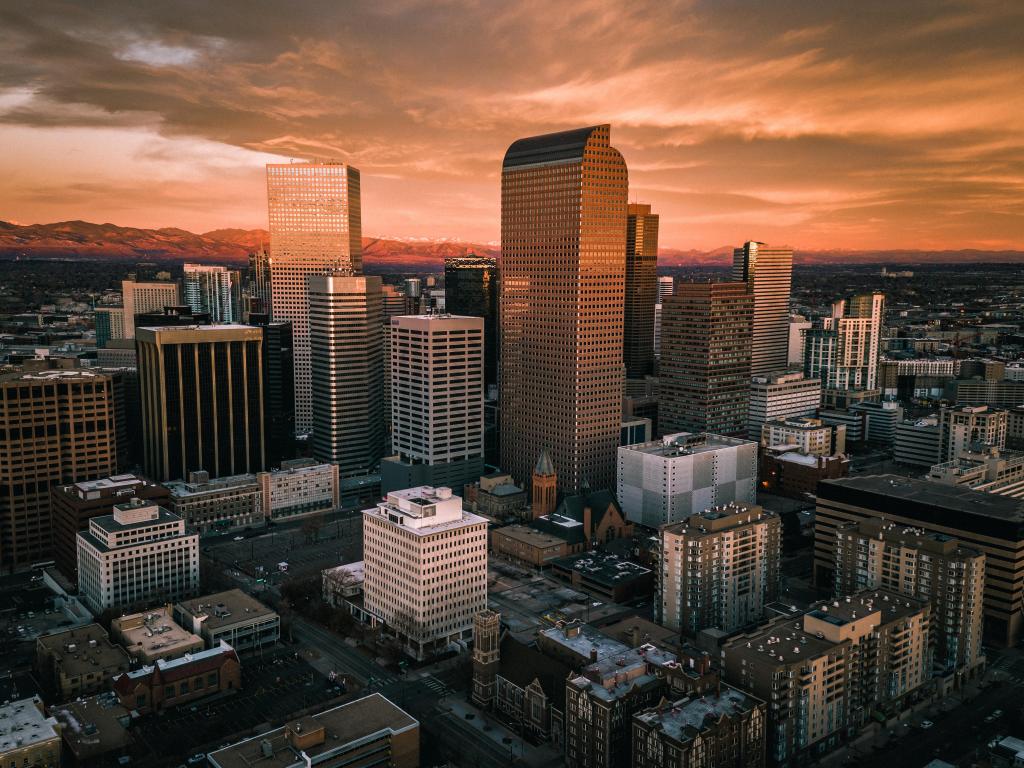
x=684 y=719
x=153 y=632
x=23 y=724
x=529 y=536
x=94 y=725
x=603 y=568
x=83 y=650
x=342 y=725
x=223 y=609
x=687 y=444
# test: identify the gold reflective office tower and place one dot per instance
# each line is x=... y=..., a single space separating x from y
x=768 y=273
x=315 y=229
x=563 y=264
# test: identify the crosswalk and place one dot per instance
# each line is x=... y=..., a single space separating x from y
x=437 y=686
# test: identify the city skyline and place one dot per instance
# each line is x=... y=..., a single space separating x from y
x=791 y=126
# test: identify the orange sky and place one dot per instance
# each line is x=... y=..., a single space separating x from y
x=874 y=124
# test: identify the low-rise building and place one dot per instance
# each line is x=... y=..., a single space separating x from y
x=806 y=434
x=138 y=555
x=787 y=472
x=724 y=728
x=78 y=661
x=529 y=546
x=984 y=468
x=370 y=731
x=168 y=684
x=93 y=728
x=918 y=442
x=343 y=582
x=604 y=575
x=217 y=505
x=498 y=496
x=27 y=736
x=301 y=487
x=231 y=617
x=965 y=426
x=153 y=635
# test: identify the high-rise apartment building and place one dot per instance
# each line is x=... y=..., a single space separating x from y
x=437 y=402
x=877 y=554
x=807 y=435
x=278 y=387
x=825 y=672
x=780 y=396
x=705 y=358
x=719 y=568
x=109 y=325
x=56 y=426
x=798 y=324
x=666 y=287
x=139 y=297
x=315 y=229
x=842 y=349
x=425 y=568
x=563 y=265
x=668 y=480
x=768 y=272
x=471 y=289
x=641 y=290
x=214 y=290
x=918 y=442
x=202 y=400
x=258 y=281
x=964 y=426
x=347 y=372
x=139 y=555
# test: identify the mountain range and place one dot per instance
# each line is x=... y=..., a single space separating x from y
x=86 y=240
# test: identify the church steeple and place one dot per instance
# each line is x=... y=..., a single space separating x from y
x=544 y=486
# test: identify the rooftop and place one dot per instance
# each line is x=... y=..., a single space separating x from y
x=720 y=518
x=82 y=650
x=424 y=510
x=153 y=633
x=22 y=723
x=318 y=734
x=94 y=725
x=224 y=608
x=529 y=536
x=602 y=567
x=684 y=719
x=687 y=444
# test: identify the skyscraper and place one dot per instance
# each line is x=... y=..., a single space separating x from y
x=347 y=374
x=705 y=359
x=278 y=387
x=641 y=290
x=315 y=228
x=437 y=402
x=258 y=281
x=141 y=297
x=842 y=349
x=471 y=289
x=666 y=287
x=214 y=290
x=563 y=265
x=768 y=273
x=202 y=400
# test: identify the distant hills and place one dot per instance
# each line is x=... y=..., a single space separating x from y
x=94 y=242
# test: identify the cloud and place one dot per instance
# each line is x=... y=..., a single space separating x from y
x=860 y=125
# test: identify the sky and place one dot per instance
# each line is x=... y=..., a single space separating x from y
x=816 y=123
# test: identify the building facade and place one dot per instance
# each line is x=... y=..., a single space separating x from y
x=138 y=297
x=641 y=290
x=437 y=402
x=231 y=617
x=316 y=228
x=202 y=400
x=216 y=505
x=704 y=368
x=471 y=289
x=214 y=290
x=78 y=661
x=425 y=565
x=301 y=487
x=719 y=568
x=138 y=555
x=811 y=437
x=965 y=427
x=843 y=349
x=563 y=264
x=779 y=396
x=918 y=442
x=768 y=272
x=278 y=388
x=667 y=480
x=28 y=736
x=347 y=371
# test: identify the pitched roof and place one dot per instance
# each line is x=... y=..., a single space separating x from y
x=598 y=501
x=544 y=466
x=521 y=664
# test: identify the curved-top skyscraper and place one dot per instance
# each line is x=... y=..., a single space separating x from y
x=563 y=268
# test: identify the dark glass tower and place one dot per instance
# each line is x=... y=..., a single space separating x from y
x=641 y=290
x=278 y=387
x=471 y=289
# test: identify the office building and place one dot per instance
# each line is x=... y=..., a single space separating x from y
x=300 y=488
x=138 y=298
x=56 y=426
x=824 y=672
x=915 y=378
x=258 y=281
x=471 y=289
x=785 y=471
x=780 y=396
x=27 y=735
x=347 y=371
x=231 y=617
x=563 y=251
x=140 y=554
x=880 y=420
x=876 y=554
x=73 y=505
x=367 y=732
x=215 y=291
x=918 y=442
x=218 y=504
x=666 y=287
x=724 y=728
x=437 y=402
x=842 y=349
x=705 y=359
x=153 y=635
x=989 y=523
x=719 y=568
x=109 y=323
x=768 y=273
x=425 y=564
x=797 y=325
x=658 y=311
x=202 y=400
x=986 y=468
x=641 y=290
x=809 y=436
x=965 y=427
x=1002 y=394
x=78 y=662
x=667 y=480
x=315 y=229
x=164 y=685
x=278 y=388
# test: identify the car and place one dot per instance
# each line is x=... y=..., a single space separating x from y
x=239 y=538
x=196 y=759
x=997 y=714
x=926 y=724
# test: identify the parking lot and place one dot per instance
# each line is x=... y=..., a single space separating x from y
x=274 y=688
